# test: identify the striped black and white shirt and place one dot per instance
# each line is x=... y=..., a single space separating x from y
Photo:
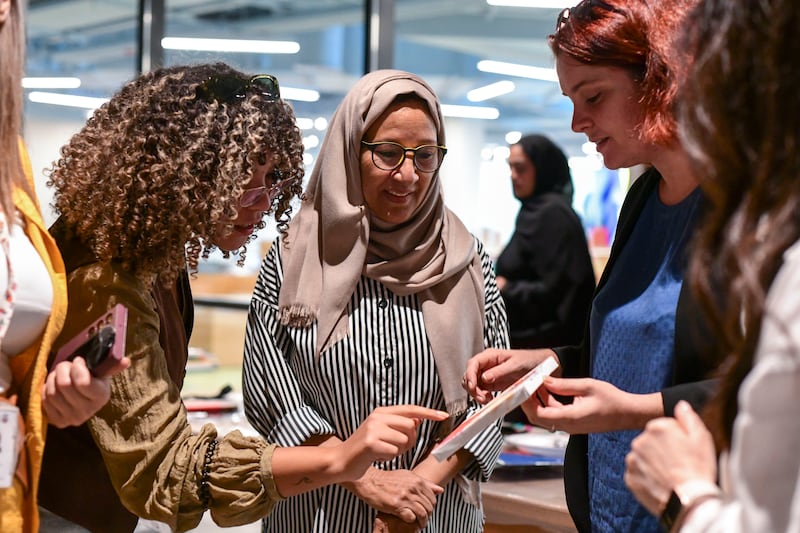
x=386 y=359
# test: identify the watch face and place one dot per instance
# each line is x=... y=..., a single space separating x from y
x=670 y=513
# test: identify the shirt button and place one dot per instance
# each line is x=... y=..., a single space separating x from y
x=383 y=303
x=388 y=362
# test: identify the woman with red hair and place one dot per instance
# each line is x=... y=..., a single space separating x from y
x=642 y=348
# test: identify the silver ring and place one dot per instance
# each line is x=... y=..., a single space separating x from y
x=553 y=428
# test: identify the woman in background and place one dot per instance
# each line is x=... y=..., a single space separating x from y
x=545 y=272
x=740 y=117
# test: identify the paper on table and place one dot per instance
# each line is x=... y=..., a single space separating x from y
x=504 y=402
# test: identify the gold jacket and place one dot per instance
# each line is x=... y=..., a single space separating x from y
x=18 y=504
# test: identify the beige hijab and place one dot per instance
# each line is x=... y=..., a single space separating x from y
x=333 y=240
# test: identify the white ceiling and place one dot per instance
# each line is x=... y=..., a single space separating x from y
x=442 y=40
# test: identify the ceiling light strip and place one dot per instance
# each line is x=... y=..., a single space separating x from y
x=514 y=69
x=32 y=82
x=69 y=100
x=492 y=90
x=230 y=45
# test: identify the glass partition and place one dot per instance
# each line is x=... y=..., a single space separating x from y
x=78 y=53
x=475 y=55
x=493 y=70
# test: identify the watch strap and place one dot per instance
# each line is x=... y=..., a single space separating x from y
x=670 y=513
x=684 y=498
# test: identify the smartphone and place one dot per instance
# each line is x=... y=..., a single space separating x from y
x=101 y=343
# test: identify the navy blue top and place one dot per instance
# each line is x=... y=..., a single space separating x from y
x=632 y=327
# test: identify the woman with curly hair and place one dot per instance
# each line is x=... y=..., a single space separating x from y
x=181 y=160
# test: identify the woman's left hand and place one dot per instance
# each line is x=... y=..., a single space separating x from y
x=597 y=406
x=400 y=493
x=668 y=453
x=387 y=523
x=71 y=395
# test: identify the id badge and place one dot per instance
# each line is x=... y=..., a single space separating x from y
x=9 y=443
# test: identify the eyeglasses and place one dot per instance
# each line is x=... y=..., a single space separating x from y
x=251 y=197
x=582 y=10
x=390 y=155
x=228 y=89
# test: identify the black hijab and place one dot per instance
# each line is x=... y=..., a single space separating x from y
x=552 y=169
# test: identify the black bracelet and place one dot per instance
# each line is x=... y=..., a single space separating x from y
x=205 y=493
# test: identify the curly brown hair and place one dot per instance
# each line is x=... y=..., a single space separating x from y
x=637 y=36
x=157 y=171
x=739 y=110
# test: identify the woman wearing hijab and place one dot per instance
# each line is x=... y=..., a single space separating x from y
x=377 y=295
x=545 y=272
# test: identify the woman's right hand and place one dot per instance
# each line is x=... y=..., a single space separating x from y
x=71 y=395
x=495 y=370
x=386 y=433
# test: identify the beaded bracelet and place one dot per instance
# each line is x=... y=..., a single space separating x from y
x=205 y=493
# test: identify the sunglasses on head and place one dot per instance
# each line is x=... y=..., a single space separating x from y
x=582 y=10
x=230 y=88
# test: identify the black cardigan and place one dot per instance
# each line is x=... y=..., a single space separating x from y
x=691 y=362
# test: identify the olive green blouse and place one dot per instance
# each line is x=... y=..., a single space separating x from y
x=138 y=454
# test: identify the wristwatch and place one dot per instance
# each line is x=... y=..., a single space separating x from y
x=684 y=498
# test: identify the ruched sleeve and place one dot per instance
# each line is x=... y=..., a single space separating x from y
x=155 y=462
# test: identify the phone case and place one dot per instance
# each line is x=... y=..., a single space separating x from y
x=102 y=343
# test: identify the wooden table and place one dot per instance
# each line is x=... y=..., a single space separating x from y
x=529 y=500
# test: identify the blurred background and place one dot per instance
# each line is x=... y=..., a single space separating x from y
x=489 y=63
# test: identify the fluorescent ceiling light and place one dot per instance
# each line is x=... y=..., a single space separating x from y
x=302 y=95
x=304 y=123
x=543 y=4
x=50 y=83
x=514 y=69
x=490 y=91
x=69 y=100
x=321 y=123
x=465 y=111
x=230 y=45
